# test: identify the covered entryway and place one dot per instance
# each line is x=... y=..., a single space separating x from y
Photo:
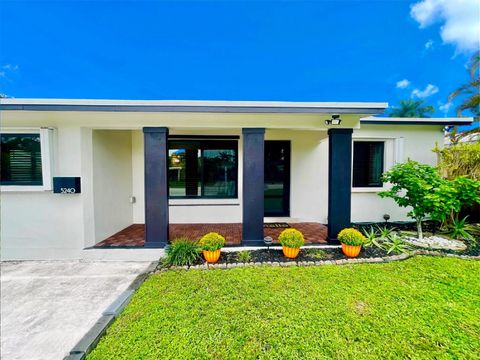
x=265 y=183
x=285 y=163
x=277 y=178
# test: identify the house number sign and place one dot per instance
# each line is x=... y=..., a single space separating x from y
x=66 y=185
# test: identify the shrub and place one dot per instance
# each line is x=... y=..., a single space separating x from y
x=395 y=244
x=212 y=241
x=291 y=238
x=452 y=195
x=182 y=251
x=460 y=160
x=460 y=230
x=244 y=256
x=351 y=236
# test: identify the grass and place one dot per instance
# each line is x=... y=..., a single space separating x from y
x=422 y=308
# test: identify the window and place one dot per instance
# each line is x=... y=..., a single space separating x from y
x=21 y=159
x=202 y=168
x=368 y=163
x=25 y=159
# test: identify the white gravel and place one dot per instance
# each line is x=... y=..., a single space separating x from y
x=437 y=242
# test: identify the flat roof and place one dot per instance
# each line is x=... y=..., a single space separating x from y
x=416 y=121
x=191 y=106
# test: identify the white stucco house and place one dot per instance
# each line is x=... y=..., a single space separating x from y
x=76 y=172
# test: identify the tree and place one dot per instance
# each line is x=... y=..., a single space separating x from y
x=412 y=183
x=412 y=109
x=470 y=90
x=421 y=187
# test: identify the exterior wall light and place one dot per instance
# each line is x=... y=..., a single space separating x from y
x=335 y=120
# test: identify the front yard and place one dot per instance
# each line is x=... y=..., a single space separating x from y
x=420 y=308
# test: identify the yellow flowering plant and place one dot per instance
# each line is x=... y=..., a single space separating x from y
x=351 y=236
x=212 y=241
x=291 y=238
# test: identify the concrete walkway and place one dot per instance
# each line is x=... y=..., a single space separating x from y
x=46 y=306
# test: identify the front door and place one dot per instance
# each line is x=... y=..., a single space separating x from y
x=277 y=178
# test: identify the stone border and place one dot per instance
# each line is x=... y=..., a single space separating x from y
x=88 y=342
x=384 y=259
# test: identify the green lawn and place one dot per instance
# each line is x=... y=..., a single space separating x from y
x=421 y=308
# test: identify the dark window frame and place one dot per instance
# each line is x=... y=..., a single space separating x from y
x=205 y=143
x=38 y=183
x=355 y=182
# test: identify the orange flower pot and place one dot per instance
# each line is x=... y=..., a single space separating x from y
x=351 y=251
x=291 y=253
x=211 y=256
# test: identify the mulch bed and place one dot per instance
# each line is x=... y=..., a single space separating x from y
x=276 y=255
x=309 y=254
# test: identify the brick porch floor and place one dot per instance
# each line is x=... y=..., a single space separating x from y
x=134 y=235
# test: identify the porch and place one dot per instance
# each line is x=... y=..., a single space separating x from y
x=221 y=174
x=134 y=235
x=244 y=181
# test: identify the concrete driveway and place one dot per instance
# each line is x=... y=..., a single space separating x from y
x=47 y=306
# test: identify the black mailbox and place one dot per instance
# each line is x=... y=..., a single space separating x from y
x=66 y=185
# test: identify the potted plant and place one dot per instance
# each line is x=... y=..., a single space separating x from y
x=352 y=241
x=291 y=240
x=211 y=244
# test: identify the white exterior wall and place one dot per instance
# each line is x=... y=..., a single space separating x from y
x=401 y=143
x=43 y=225
x=112 y=181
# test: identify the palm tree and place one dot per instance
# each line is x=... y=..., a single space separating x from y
x=412 y=109
x=470 y=92
x=471 y=89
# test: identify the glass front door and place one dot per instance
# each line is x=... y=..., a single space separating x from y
x=277 y=178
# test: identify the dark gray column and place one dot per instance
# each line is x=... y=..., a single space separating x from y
x=156 y=186
x=339 y=181
x=253 y=185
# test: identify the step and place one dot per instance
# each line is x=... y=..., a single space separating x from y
x=122 y=254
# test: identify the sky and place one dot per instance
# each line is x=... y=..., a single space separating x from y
x=238 y=50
